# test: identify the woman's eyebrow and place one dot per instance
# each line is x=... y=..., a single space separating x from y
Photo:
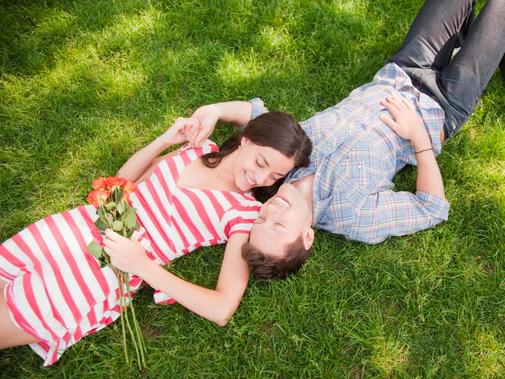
x=264 y=159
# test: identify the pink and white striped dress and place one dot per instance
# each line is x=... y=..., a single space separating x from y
x=56 y=291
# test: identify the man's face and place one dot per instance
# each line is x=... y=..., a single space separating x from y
x=281 y=221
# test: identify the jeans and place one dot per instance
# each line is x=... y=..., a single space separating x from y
x=455 y=81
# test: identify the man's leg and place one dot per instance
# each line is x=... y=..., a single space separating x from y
x=433 y=35
x=464 y=79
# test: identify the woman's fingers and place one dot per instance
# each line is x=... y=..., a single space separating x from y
x=112 y=235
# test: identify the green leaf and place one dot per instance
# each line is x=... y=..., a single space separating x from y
x=95 y=250
x=130 y=219
x=121 y=207
x=110 y=205
x=118 y=193
x=117 y=225
x=101 y=213
x=101 y=225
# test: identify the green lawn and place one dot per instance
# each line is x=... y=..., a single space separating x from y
x=84 y=84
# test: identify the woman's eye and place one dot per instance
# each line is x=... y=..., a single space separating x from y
x=259 y=164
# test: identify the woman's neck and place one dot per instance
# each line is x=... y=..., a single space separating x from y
x=225 y=170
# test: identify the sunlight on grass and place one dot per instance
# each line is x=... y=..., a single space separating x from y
x=85 y=84
x=234 y=68
x=390 y=356
x=275 y=39
x=485 y=356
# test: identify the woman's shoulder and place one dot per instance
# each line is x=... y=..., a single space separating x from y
x=241 y=201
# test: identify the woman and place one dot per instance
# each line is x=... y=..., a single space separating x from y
x=54 y=291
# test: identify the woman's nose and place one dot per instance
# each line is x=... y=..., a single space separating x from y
x=262 y=178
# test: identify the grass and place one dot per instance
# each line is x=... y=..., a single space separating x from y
x=85 y=84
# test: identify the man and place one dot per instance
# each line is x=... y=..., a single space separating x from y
x=358 y=148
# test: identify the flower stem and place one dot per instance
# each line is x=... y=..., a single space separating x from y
x=122 y=310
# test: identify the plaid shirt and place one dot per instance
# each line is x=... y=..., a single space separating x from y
x=355 y=157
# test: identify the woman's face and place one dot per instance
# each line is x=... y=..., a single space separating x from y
x=259 y=166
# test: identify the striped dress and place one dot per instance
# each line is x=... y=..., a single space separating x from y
x=56 y=291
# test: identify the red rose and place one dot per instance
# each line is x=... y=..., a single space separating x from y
x=129 y=186
x=98 y=196
x=112 y=181
x=126 y=196
x=98 y=183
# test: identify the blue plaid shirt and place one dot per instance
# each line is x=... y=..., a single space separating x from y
x=355 y=157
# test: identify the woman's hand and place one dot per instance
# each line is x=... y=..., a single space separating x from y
x=406 y=123
x=208 y=116
x=125 y=254
x=181 y=130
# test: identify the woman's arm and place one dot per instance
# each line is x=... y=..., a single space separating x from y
x=216 y=305
x=237 y=112
x=135 y=168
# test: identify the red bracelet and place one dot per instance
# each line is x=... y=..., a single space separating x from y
x=422 y=151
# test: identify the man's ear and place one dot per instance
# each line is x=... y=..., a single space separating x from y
x=308 y=238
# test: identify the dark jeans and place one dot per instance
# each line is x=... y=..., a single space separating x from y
x=455 y=82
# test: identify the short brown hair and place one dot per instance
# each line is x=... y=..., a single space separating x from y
x=267 y=267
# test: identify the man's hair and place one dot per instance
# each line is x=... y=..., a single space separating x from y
x=267 y=267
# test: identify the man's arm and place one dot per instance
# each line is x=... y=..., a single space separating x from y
x=236 y=112
x=409 y=126
x=389 y=213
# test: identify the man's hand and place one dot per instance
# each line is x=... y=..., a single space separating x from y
x=406 y=123
x=207 y=116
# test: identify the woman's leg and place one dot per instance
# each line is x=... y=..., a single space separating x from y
x=10 y=334
x=464 y=79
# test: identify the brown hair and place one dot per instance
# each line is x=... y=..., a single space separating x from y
x=267 y=267
x=277 y=130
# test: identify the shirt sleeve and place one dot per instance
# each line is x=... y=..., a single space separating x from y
x=240 y=220
x=258 y=107
x=390 y=213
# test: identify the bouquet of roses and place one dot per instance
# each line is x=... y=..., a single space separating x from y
x=111 y=197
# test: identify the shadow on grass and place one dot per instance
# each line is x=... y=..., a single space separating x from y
x=86 y=84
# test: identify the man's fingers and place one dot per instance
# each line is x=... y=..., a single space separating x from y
x=391 y=107
x=408 y=104
x=389 y=122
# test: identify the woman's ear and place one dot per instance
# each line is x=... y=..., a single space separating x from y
x=308 y=238
x=244 y=141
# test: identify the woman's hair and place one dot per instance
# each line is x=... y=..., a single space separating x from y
x=268 y=267
x=277 y=130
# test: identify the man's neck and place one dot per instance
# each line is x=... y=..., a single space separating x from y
x=304 y=185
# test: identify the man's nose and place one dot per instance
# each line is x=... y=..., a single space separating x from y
x=271 y=212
